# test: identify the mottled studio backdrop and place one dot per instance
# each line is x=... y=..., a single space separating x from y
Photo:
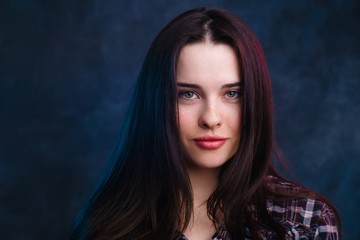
x=67 y=70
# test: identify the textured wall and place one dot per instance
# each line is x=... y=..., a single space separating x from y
x=67 y=69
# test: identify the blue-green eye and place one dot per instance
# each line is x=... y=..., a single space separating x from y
x=187 y=95
x=232 y=94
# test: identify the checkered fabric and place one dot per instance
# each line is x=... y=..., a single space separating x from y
x=302 y=218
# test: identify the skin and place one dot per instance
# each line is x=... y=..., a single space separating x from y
x=209 y=104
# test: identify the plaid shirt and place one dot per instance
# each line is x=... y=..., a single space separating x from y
x=301 y=218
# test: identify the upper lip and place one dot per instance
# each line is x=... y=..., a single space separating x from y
x=210 y=138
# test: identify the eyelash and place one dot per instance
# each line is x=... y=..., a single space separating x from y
x=182 y=94
x=237 y=94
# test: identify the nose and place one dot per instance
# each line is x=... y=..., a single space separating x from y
x=210 y=117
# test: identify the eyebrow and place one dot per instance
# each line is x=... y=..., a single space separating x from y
x=230 y=85
x=195 y=86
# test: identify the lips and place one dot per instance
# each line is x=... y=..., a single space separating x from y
x=210 y=142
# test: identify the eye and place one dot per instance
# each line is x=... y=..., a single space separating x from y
x=188 y=95
x=232 y=94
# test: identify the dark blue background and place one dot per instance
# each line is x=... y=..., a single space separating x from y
x=67 y=69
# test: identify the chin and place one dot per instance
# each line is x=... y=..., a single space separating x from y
x=207 y=163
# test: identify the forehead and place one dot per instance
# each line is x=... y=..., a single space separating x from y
x=207 y=61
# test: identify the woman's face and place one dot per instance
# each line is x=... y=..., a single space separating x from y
x=209 y=103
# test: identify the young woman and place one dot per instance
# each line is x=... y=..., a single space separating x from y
x=195 y=159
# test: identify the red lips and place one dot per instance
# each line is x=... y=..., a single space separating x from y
x=210 y=142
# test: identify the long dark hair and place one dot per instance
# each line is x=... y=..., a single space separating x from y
x=147 y=192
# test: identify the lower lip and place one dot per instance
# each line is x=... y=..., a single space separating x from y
x=210 y=145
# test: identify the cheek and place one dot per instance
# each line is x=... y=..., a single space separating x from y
x=186 y=120
x=234 y=119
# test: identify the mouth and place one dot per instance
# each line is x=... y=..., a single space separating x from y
x=210 y=142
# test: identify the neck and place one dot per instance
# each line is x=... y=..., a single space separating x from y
x=203 y=183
